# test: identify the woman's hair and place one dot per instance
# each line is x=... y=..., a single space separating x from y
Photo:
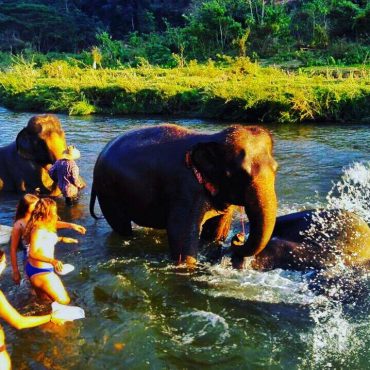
x=42 y=217
x=1 y=254
x=24 y=204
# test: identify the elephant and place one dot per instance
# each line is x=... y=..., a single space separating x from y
x=24 y=163
x=189 y=183
x=314 y=239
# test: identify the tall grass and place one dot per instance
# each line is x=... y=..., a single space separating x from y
x=240 y=90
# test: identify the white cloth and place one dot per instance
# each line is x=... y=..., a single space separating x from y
x=67 y=313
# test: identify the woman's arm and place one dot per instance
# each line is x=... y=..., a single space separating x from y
x=65 y=239
x=14 y=318
x=68 y=225
x=14 y=243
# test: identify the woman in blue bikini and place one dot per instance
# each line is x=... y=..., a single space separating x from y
x=41 y=266
x=25 y=207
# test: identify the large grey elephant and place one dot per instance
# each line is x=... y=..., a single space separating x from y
x=24 y=162
x=172 y=178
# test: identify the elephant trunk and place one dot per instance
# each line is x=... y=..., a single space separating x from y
x=56 y=144
x=261 y=209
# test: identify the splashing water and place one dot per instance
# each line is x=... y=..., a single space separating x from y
x=352 y=192
x=333 y=339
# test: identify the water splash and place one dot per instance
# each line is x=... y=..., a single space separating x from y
x=205 y=322
x=352 y=191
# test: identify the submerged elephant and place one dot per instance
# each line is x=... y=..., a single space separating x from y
x=172 y=178
x=315 y=239
x=24 y=163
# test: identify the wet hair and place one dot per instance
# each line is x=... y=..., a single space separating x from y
x=42 y=216
x=24 y=204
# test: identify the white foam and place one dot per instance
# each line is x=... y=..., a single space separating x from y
x=352 y=192
x=208 y=321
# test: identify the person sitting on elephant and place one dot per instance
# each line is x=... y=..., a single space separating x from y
x=66 y=172
x=17 y=320
x=24 y=163
x=41 y=266
x=25 y=207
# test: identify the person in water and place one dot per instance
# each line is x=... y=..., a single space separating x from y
x=25 y=207
x=14 y=318
x=41 y=267
x=66 y=173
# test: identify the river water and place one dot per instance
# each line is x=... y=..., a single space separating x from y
x=144 y=313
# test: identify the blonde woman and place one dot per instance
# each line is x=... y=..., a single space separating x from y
x=23 y=214
x=41 y=266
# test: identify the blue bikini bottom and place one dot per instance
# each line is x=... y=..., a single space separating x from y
x=32 y=270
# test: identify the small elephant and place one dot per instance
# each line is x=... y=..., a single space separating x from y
x=169 y=177
x=315 y=239
x=24 y=163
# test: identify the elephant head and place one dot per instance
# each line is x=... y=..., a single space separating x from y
x=240 y=168
x=42 y=140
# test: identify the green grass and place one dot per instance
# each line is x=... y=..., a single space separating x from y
x=240 y=90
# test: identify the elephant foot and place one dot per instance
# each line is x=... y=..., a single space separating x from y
x=237 y=262
x=188 y=261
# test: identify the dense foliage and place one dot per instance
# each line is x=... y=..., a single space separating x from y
x=232 y=89
x=111 y=33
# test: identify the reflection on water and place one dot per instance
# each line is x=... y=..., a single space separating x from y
x=142 y=312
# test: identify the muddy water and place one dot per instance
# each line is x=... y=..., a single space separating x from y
x=143 y=313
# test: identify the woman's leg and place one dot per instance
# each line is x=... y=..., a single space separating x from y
x=51 y=284
x=5 y=363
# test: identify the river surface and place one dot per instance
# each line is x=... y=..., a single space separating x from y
x=144 y=313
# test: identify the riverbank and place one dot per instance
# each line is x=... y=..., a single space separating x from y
x=240 y=90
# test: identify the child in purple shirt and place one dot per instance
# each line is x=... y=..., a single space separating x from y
x=66 y=173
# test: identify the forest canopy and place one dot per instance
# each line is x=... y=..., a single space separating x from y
x=120 y=32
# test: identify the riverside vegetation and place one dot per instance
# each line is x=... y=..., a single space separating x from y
x=232 y=89
x=201 y=58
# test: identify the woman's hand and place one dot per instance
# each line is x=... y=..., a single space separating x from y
x=80 y=229
x=16 y=277
x=58 y=265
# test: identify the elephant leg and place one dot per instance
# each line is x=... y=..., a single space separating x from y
x=217 y=228
x=115 y=214
x=183 y=231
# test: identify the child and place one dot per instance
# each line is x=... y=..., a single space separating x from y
x=65 y=171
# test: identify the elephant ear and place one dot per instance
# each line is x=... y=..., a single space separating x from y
x=209 y=159
x=24 y=144
x=30 y=146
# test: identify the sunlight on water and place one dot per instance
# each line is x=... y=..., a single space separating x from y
x=274 y=286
